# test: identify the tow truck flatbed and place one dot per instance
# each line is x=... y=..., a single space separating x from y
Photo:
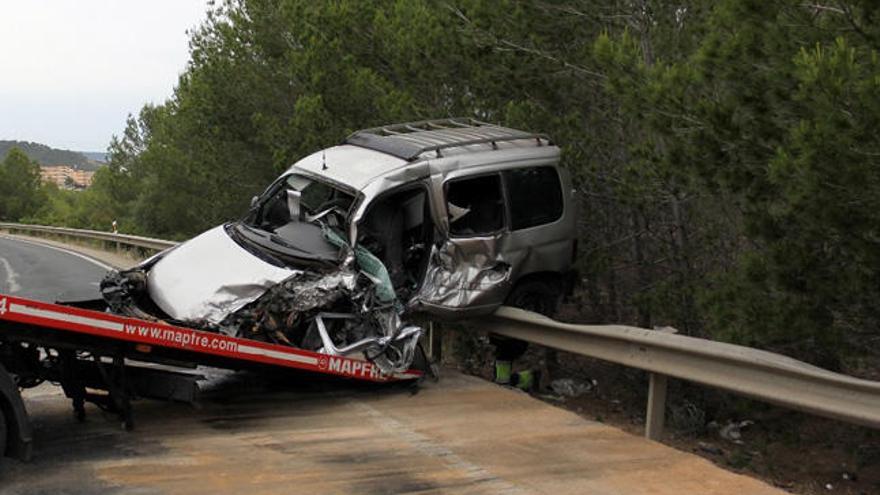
x=86 y=349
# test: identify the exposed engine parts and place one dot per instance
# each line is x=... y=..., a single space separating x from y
x=341 y=312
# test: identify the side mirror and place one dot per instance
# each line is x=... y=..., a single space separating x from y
x=254 y=201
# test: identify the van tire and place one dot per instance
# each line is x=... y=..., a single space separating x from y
x=536 y=295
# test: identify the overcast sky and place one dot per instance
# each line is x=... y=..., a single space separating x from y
x=72 y=70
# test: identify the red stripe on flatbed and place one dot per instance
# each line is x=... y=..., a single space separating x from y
x=83 y=321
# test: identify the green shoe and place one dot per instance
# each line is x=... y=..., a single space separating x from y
x=502 y=372
x=526 y=380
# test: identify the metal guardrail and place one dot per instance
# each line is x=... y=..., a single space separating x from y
x=750 y=372
x=96 y=235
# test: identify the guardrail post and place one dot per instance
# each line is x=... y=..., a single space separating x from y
x=656 y=414
x=434 y=342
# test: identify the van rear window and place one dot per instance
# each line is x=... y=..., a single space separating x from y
x=535 y=196
x=476 y=205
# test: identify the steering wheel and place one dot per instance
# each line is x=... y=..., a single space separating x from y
x=334 y=207
x=339 y=203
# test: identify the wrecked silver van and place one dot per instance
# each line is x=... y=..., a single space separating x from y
x=445 y=218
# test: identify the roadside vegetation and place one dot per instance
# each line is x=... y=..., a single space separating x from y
x=21 y=193
x=726 y=153
x=726 y=157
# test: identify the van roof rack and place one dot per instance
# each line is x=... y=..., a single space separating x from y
x=409 y=140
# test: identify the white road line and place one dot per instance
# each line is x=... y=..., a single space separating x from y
x=259 y=351
x=58 y=316
x=66 y=251
x=11 y=277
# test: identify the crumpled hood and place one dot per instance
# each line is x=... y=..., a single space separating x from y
x=209 y=277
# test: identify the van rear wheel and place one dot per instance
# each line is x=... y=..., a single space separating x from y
x=538 y=296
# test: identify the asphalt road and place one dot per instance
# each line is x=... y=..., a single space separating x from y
x=462 y=435
x=48 y=274
x=250 y=434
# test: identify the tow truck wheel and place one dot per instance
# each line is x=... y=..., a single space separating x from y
x=2 y=433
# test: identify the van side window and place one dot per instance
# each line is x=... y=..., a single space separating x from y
x=535 y=196
x=475 y=205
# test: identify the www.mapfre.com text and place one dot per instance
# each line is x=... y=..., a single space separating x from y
x=182 y=338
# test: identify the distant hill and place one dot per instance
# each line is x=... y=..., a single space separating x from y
x=98 y=156
x=45 y=155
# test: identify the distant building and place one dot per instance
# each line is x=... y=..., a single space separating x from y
x=66 y=177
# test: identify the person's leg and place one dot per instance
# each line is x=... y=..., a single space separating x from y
x=507 y=350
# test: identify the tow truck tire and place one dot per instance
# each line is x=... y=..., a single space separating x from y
x=2 y=433
x=16 y=434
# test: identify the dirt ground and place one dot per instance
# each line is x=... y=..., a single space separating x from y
x=799 y=453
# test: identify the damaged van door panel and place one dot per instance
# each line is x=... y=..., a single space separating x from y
x=469 y=272
x=465 y=274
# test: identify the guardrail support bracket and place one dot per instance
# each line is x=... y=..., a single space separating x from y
x=656 y=406
x=433 y=342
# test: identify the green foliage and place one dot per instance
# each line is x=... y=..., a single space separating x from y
x=20 y=192
x=774 y=110
x=725 y=153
